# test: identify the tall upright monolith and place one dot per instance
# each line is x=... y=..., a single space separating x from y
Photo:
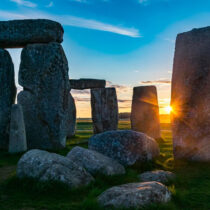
x=71 y=122
x=190 y=97
x=7 y=96
x=45 y=96
x=145 y=111
x=104 y=109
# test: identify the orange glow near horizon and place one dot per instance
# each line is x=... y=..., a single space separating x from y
x=168 y=109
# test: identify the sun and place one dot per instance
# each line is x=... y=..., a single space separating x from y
x=168 y=109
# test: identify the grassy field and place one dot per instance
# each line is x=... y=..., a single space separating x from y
x=190 y=190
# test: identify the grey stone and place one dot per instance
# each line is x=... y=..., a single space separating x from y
x=94 y=162
x=81 y=84
x=45 y=98
x=46 y=166
x=145 y=111
x=127 y=147
x=104 y=109
x=190 y=97
x=7 y=96
x=158 y=176
x=134 y=195
x=71 y=122
x=17 y=136
x=19 y=33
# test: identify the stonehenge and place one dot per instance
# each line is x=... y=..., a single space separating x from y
x=190 y=97
x=81 y=84
x=104 y=109
x=145 y=111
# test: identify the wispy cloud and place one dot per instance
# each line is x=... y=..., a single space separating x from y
x=50 y=4
x=161 y=81
x=73 y=21
x=24 y=3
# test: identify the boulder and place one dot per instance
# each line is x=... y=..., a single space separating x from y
x=71 y=122
x=104 y=109
x=46 y=166
x=158 y=176
x=45 y=96
x=190 y=97
x=145 y=111
x=7 y=96
x=19 y=33
x=134 y=195
x=81 y=84
x=94 y=162
x=126 y=146
x=17 y=136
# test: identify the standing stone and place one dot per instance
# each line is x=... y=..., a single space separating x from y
x=7 y=96
x=45 y=98
x=81 y=84
x=104 y=109
x=190 y=96
x=71 y=122
x=17 y=136
x=19 y=33
x=145 y=111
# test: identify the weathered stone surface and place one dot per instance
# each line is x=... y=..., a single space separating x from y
x=127 y=147
x=94 y=162
x=104 y=109
x=81 y=84
x=17 y=136
x=7 y=96
x=190 y=96
x=71 y=121
x=145 y=111
x=46 y=166
x=45 y=98
x=134 y=195
x=19 y=33
x=158 y=176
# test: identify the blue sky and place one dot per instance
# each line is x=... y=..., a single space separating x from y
x=126 y=42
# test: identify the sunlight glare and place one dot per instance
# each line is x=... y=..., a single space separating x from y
x=168 y=109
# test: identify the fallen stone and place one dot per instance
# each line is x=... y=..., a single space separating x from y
x=46 y=166
x=17 y=136
x=134 y=195
x=94 y=162
x=190 y=97
x=81 y=84
x=71 y=122
x=126 y=146
x=104 y=109
x=19 y=33
x=158 y=176
x=145 y=111
x=7 y=96
x=45 y=96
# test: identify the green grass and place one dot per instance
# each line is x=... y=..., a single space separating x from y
x=190 y=190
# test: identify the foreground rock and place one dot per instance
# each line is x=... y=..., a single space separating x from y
x=158 y=176
x=7 y=96
x=17 y=136
x=81 y=84
x=190 y=96
x=134 y=195
x=94 y=162
x=145 y=111
x=104 y=109
x=46 y=166
x=71 y=121
x=45 y=98
x=19 y=33
x=127 y=147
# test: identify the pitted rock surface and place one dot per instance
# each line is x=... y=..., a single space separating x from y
x=71 y=122
x=126 y=146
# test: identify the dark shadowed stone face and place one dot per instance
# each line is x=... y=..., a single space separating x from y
x=145 y=111
x=127 y=147
x=104 y=109
x=19 y=33
x=7 y=96
x=190 y=95
x=45 y=98
x=71 y=122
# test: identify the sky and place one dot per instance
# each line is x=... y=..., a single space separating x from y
x=127 y=42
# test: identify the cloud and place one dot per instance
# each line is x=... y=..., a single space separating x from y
x=69 y=20
x=24 y=3
x=161 y=81
x=50 y=4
